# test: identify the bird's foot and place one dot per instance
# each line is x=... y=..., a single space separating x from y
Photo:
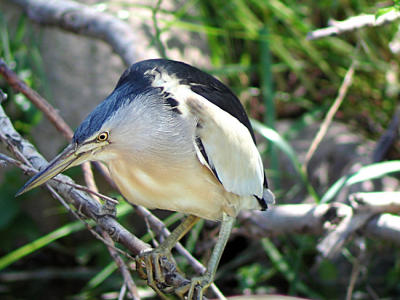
x=108 y=209
x=195 y=289
x=158 y=267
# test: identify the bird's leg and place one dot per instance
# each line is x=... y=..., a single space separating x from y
x=197 y=286
x=155 y=260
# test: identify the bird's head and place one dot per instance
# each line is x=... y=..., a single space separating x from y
x=107 y=130
x=80 y=150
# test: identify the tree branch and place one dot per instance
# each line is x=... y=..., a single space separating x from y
x=347 y=81
x=353 y=23
x=84 y=20
x=20 y=87
x=338 y=221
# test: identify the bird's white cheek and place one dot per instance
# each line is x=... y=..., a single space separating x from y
x=103 y=153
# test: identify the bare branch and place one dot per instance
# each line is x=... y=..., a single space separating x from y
x=84 y=20
x=41 y=103
x=388 y=138
x=384 y=226
x=340 y=221
x=128 y=280
x=292 y=219
x=353 y=23
x=332 y=243
x=347 y=81
x=376 y=202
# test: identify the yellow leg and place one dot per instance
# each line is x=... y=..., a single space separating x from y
x=179 y=232
x=154 y=259
x=199 y=284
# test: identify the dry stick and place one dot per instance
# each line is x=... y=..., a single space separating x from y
x=353 y=23
x=41 y=103
x=89 y=179
x=353 y=279
x=355 y=272
x=388 y=138
x=108 y=242
x=347 y=81
x=123 y=268
x=313 y=219
x=122 y=292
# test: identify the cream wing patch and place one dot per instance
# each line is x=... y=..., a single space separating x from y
x=229 y=147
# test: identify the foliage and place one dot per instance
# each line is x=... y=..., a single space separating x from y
x=260 y=49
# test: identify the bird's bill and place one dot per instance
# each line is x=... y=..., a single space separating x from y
x=65 y=160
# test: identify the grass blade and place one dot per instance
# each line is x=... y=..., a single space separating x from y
x=283 y=267
x=39 y=243
x=369 y=172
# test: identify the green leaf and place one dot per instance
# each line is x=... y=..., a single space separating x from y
x=275 y=138
x=368 y=172
x=101 y=276
x=39 y=243
x=384 y=11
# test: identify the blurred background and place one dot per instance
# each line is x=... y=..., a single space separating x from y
x=286 y=82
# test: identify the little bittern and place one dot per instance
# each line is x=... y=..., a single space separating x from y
x=174 y=138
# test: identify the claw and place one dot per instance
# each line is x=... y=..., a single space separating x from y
x=195 y=288
x=157 y=266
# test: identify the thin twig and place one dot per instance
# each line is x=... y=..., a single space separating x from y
x=353 y=23
x=347 y=81
x=108 y=242
x=123 y=268
x=355 y=272
x=41 y=103
x=388 y=138
x=122 y=292
x=89 y=179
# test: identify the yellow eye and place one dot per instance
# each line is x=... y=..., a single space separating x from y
x=102 y=137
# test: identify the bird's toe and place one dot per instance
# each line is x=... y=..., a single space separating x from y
x=155 y=266
x=195 y=289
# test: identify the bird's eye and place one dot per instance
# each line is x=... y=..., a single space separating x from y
x=102 y=137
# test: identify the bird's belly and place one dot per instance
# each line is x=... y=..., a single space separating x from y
x=190 y=190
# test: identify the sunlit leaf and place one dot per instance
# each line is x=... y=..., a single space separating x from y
x=368 y=172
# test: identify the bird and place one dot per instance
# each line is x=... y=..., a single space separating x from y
x=174 y=138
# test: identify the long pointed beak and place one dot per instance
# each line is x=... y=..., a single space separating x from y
x=66 y=159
